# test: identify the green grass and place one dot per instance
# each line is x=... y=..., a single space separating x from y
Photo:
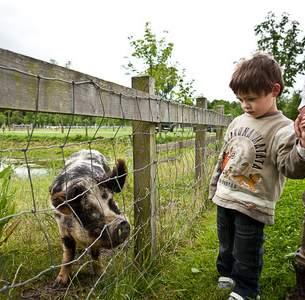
x=190 y=272
x=35 y=246
x=76 y=134
x=185 y=268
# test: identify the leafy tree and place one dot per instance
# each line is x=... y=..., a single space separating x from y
x=291 y=106
x=152 y=56
x=281 y=37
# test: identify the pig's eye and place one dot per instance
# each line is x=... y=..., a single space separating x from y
x=104 y=195
x=113 y=206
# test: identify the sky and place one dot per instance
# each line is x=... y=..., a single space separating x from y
x=208 y=36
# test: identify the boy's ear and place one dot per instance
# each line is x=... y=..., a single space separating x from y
x=276 y=89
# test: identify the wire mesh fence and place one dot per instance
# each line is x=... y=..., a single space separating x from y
x=30 y=159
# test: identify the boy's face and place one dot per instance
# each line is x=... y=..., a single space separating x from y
x=258 y=105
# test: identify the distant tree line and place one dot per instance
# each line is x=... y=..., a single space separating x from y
x=8 y=117
x=288 y=104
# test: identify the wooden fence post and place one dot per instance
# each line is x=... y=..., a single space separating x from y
x=219 y=129
x=200 y=144
x=144 y=164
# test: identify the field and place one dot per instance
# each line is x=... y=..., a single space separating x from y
x=187 y=243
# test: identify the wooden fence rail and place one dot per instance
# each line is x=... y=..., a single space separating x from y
x=28 y=84
x=23 y=80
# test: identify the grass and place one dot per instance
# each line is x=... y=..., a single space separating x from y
x=7 y=206
x=35 y=247
x=44 y=135
x=190 y=272
x=186 y=268
x=187 y=242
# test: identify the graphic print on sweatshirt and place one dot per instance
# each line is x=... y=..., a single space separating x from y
x=243 y=156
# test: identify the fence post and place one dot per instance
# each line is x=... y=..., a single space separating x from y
x=144 y=157
x=200 y=144
x=219 y=129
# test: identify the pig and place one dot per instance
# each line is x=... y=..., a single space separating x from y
x=85 y=211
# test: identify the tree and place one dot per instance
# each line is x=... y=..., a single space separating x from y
x=152 y=56
x=291 y=107
x=281 y=37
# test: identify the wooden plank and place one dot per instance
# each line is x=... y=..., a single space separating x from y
x=66 y=91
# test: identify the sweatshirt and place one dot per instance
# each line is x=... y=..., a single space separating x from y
x=257 y=155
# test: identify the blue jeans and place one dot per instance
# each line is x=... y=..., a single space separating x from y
x=240 y=255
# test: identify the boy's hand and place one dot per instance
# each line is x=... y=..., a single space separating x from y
x=299 y=126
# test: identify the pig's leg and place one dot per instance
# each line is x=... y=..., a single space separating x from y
x=96 y=266
x=68 y=256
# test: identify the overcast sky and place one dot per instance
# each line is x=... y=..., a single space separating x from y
x=208 y=36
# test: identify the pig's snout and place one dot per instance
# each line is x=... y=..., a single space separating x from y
x=122 y=232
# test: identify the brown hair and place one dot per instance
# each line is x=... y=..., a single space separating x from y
x=257 y=75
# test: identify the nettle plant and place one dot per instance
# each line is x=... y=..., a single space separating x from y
x=7 y=205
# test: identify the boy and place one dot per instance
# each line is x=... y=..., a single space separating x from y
x=260 y=148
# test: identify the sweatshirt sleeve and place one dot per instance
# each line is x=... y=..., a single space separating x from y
x=289 y=161
x=216 y=174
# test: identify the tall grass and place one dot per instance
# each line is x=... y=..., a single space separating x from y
x=187 y=243
x=7 y=206
x=36 y=246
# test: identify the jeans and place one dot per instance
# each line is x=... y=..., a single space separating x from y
x=240 y=255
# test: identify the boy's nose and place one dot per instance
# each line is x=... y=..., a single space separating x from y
x=246 y=105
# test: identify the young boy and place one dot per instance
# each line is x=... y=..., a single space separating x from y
x=260 y=149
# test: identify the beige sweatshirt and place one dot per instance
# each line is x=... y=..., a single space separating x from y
x=256 y=157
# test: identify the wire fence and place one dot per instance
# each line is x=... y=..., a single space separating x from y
x=175 y=195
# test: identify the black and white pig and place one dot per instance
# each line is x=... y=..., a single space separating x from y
x=86 y=213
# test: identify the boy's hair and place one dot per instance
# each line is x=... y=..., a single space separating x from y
x=257 y=75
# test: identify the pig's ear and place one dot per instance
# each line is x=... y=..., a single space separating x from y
x=58 y=200
x=118 y=176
